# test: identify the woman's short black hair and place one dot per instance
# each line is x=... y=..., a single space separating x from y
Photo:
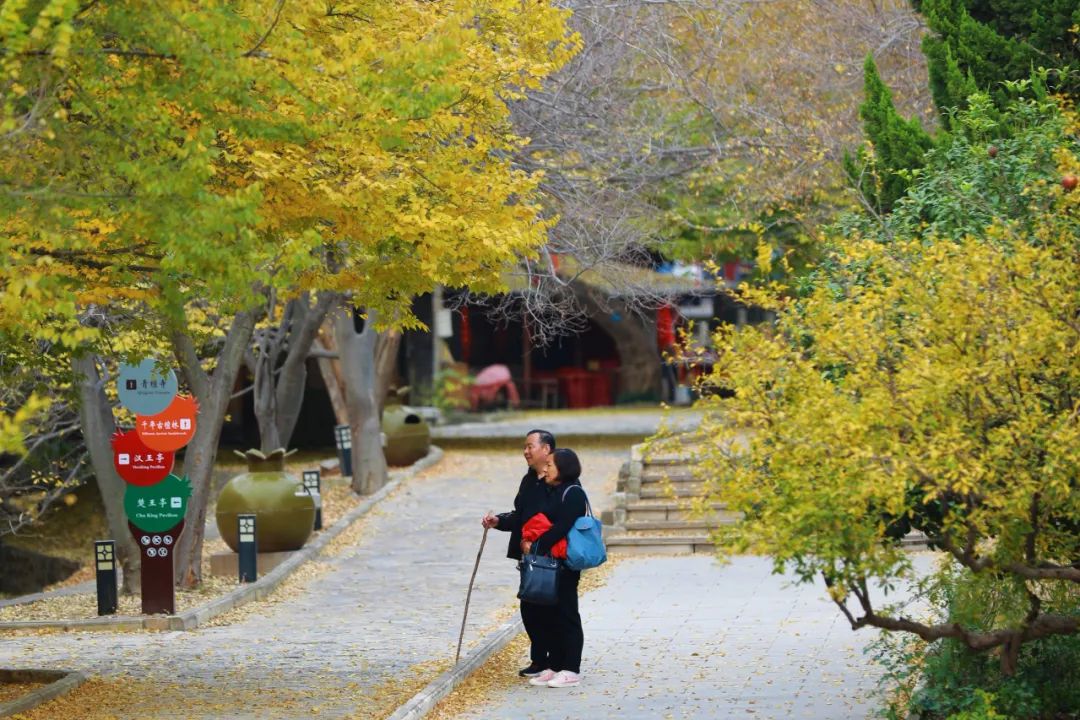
x=544 y=437
x=568 y=465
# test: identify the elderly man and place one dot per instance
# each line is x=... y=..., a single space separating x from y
x=531 y=496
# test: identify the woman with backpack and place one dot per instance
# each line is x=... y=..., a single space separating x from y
x=566 y=502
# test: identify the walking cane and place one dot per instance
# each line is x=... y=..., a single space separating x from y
x=468 y=596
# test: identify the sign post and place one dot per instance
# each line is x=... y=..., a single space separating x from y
x=155 y=500
x=158 y=587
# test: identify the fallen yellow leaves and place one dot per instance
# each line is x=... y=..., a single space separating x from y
x=93 y=700
x=498 y=673
x=14 y=691
x=125 y=697
x=389 y=696
x=338 y=500
x=84 y=606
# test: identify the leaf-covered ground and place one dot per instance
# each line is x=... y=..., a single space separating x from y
x=350 y=635
x=66 y=532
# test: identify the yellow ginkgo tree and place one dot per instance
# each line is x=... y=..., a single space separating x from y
x=164 y=159
x=926 y=376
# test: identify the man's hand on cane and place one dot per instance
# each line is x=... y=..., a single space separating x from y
x=489 y=521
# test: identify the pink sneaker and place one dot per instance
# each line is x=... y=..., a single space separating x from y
x=543 y=678
x=564 y=678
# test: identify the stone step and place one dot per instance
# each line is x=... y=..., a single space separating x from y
x=661 y=483
x=658 y=480
x=659 y=491
x=675 y=473
x=673 y=456
x=645 y=526
x=659 y=544
x=686 y=457
x=653 y=510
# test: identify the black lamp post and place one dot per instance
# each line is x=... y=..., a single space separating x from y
x=248 y=554
x=105 y=565
x=313 y=485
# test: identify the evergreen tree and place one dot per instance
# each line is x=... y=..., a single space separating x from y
x=898 y=145
x=973 y=46
x=976 y=44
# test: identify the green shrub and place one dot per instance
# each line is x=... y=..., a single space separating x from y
x=452 y=390
x=981 y=709
x=945 y=680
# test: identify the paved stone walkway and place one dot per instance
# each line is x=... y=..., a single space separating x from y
x=665 y=638
x=391 y=602
x=686 y=637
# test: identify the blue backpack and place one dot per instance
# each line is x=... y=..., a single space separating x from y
x=585 y=543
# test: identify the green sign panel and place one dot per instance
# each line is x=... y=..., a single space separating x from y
x=159 y=507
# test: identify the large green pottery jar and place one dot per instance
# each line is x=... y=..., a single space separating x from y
x=407 y=435
x=284 y=513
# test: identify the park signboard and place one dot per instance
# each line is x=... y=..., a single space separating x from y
x=155 y=500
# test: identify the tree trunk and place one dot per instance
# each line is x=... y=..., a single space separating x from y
x=634 y=337
x=213 y=393
x=98 y=426
x=279 y=384
x=1010 y=654
x=293 y=377
x=386 y=353
x=331 y=373
x=264 y=399
x=357 y=358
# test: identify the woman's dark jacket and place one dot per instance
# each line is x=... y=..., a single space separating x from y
x=531 y=497
x=563 y=506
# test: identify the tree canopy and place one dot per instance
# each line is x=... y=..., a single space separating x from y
x=167 y=168
x=156 y=154
x=691 y=129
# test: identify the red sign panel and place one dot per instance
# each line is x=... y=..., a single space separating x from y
x=136 y=463
x=170 y=429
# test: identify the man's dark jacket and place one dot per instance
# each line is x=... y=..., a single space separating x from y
x=531 y=497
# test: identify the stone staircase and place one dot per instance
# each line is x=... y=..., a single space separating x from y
x=652 y=502
x=652 y=507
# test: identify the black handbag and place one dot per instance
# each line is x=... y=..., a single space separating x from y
x=539 y=579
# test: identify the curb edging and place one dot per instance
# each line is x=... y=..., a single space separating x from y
x=258 y=590
x=60 y=682
x=422 y=702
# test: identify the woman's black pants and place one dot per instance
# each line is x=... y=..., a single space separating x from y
x=534 y=618
x=557 y=634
